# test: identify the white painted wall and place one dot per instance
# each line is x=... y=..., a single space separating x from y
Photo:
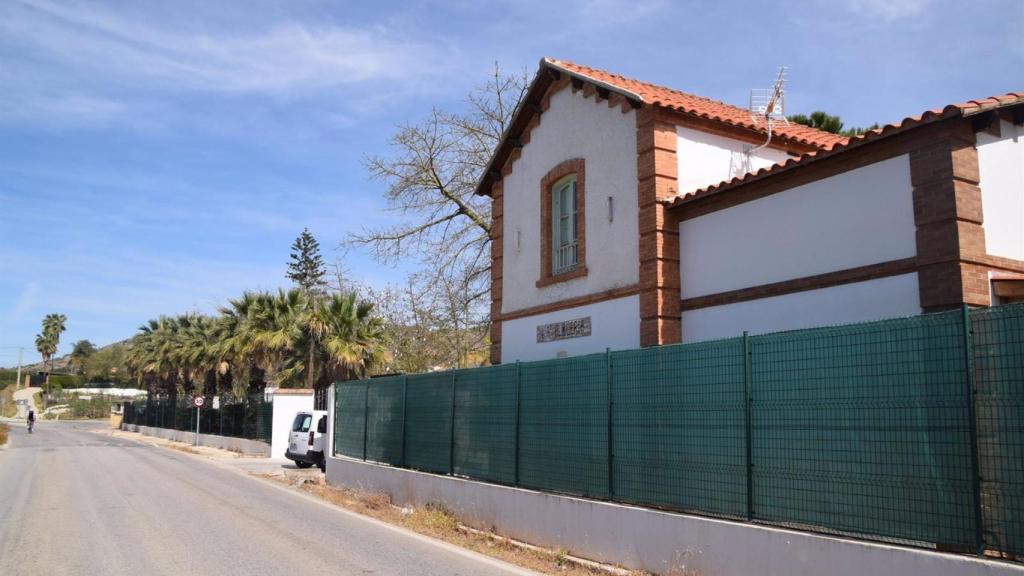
x=574 y=127
x=285 y=407
x=112 y=392
x=652 y=540
x=864 y=216
x=705 y=159
x=891 y=297
x=1001 y=162
x=241 y=445
x=615 y=324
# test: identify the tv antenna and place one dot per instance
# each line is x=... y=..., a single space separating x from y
x=768 y=107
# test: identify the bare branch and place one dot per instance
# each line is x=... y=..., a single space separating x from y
x=430 y=179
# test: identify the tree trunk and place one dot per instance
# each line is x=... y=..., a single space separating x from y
x=46 y=384
x=309 y=367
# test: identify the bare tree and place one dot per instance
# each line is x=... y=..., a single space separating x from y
x=427 y=330
x=431 y=179
x=410 y=333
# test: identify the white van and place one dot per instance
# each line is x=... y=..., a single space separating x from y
x=307 y=439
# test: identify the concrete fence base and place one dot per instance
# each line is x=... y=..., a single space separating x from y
x=644 y=539
x=213 y=441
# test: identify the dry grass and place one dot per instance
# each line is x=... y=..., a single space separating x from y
x=182 y=448
x=10 y=409
x=437 y=522
x=4 y=429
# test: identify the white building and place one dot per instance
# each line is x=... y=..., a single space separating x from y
x=628 y=214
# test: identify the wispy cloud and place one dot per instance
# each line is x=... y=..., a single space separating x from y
x=75 y=110
x=72 y=65
x=26 y=300
x=284 y=58
x=889 y=10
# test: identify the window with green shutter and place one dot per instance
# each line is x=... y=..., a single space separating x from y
x=564 y=231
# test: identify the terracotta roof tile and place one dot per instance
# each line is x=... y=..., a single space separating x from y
x=696 y=105
x=962 y=109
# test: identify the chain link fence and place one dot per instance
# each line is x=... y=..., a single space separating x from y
x=250 y=417
x=908 y=430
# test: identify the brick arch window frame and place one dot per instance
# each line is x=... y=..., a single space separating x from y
x=577 y=167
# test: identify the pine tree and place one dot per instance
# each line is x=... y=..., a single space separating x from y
x=829 y=123
x=306 y=268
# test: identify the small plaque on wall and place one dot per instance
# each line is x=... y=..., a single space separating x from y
x=577 y=328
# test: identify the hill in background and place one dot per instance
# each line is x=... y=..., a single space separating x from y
x=107 y=364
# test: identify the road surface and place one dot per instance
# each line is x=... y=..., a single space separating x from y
x=79 y=503
x=28 y=395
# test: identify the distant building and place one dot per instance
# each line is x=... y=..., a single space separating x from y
x=628 y=214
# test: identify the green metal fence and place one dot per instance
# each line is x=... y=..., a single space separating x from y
x=250 y=417
x=909 y=430
x=998 y=359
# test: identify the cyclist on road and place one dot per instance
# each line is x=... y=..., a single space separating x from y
x=31 y=420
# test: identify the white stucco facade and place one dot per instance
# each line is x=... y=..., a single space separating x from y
x=574 y=127
x=615 y=324
x=286 y=405
x=891 y=297
x=861 y=217
x=705 y=159
x=1001 y=165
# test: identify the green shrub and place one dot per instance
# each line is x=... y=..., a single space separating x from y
x=63 y=381
x=7 y=377
x=95 y=407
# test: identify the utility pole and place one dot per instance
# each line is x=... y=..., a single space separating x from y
x=18 y=381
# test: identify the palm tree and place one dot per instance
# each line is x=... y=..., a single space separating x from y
x=281 y=338
x=55 y=323
x=148 y=357
x=53 y=327
x=46 y=345
x=271 y=333
x=48 y=341
x=80 y=352
x=353 y=340
x=232 y=345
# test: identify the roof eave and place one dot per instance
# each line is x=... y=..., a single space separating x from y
x=853 y=143
x=534 y=94
x=553 y=64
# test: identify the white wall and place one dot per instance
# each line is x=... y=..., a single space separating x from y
x=285 y=407
x=891 y=297
x=241 y=445
x=615 y=324
x=705 y=159
x=574 y=127
x=112 y=392
x=864 y=216
x=651 y=540
x=1001 y=162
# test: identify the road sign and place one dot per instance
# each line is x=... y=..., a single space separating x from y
x=198 y=401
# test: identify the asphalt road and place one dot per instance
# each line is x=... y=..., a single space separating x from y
x=79 y=503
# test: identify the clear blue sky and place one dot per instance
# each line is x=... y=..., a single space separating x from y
x=160 y=157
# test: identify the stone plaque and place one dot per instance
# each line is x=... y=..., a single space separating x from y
x=577 y=328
